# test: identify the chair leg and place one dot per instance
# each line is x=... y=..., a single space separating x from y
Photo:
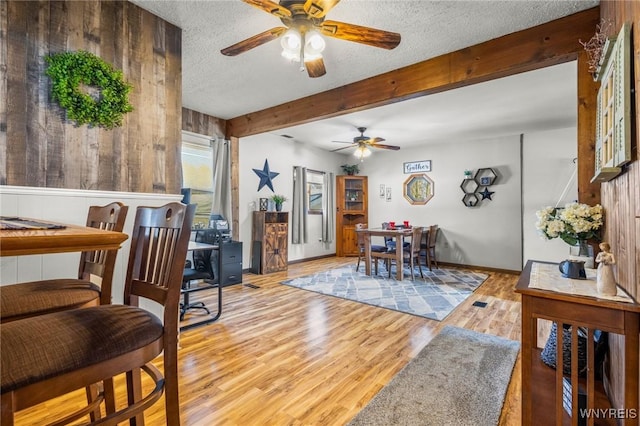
x=93 y=392
x=434 y=259
x=134 y=394
x=358 y=265
x=109 y=396
x=172 y=399
x=6 y=416
x=419 y=266
x=413 y=278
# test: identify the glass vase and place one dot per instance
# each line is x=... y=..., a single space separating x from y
x=583 y=252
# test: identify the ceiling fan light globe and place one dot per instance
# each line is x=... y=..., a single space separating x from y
x=291 y=56
x=291 y=39
x=314 y=44
x=362 y=152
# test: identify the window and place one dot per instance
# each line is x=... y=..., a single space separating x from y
x=197 y=175
x=315 y=191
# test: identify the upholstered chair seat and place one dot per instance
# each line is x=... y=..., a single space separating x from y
x=46 y=296
x=72 y=339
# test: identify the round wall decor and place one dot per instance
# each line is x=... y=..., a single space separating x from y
x=72 y=73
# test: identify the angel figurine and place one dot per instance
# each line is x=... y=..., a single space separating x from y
x=605 y=279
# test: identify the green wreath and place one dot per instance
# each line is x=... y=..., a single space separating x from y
x=68 y=70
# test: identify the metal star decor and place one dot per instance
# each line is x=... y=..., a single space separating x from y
x=265 y=176
x=486 y=194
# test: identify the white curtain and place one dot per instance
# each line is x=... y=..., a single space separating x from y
x=299 y=210
x=222 y=178
x=328 y=208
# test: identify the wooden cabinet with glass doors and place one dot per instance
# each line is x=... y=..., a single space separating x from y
x=351 y=202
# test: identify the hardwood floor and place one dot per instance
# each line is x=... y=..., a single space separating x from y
x=284 y=356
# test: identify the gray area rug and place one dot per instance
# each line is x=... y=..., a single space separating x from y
x=460 y=379
x=433 y=296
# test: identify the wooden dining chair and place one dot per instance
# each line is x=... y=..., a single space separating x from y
x=92 y=286
x=49 y=355
x=375 y=248
x=430 y=249
x=411 y=253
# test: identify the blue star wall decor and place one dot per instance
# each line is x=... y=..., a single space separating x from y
x=265 y=176
x=486 y=194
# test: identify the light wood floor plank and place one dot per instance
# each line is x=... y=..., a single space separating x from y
x=284 y=356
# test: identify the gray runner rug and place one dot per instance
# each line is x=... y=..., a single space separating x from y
x=460 y=379
x=433 y=296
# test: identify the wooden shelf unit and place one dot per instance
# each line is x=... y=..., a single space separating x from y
x=352 y=208
x=269 y=248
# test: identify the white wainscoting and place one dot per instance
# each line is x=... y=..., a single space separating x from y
x=66 y=206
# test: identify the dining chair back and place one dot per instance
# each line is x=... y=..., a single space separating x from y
x=430 y=249
x=411 y=254
x=375 y=248
x=47 y=356
x=90 y=288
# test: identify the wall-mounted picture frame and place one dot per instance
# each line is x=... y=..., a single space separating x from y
x=388 y=193
x=382 y=191
x=418 y=189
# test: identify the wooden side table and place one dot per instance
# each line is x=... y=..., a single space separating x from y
x=542 y=387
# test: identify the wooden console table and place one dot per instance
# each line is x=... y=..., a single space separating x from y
x=542 y=402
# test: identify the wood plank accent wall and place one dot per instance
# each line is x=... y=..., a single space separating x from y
x=621 y=196
x=40 y=148
x=203 y=124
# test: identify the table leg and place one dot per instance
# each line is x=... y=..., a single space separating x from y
x=631 y=359
x=399 y=263
x=367 y=254
x=529 y=331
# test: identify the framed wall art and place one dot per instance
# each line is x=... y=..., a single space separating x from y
x=418 y=189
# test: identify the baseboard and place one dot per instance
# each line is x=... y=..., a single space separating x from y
x=455 y=265
x=484 y=268
x=307 y=259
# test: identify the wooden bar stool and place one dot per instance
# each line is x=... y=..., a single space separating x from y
x=49 y=355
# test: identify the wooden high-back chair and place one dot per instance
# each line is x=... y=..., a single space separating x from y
x=47 y=356
x=430 y=249
x=411 y=254
x=376 y=248
x=33 y=298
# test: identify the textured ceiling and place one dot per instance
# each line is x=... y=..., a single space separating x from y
x=228 y=87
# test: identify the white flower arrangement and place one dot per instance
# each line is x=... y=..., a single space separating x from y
x=572 y=223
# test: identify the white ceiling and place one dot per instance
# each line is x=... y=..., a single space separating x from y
x=227 y=87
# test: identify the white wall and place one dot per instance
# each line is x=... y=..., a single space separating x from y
x=485 y=235
x=283 y=154
x=547 y=172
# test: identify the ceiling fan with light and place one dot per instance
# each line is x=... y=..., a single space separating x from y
x=363 y=143
x=305 y=24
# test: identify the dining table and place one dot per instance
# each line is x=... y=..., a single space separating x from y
x=25 y=236
x=397 y=233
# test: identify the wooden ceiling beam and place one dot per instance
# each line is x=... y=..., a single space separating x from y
x=548 y=44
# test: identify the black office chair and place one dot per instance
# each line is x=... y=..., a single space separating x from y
x=200 y=269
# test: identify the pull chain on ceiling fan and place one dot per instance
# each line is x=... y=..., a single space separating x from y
x=363 y=143
x=305 y=24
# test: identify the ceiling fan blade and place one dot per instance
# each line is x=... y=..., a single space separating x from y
x=315 y=68
x=255 y=41
x=319 y=8
x=340 y=149
x=270 y=7
x=379 y=145
x=364 y=35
